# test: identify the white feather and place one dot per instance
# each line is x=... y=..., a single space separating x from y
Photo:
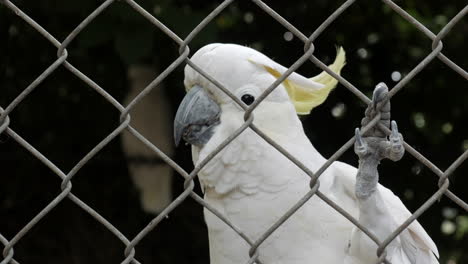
x=253 y=184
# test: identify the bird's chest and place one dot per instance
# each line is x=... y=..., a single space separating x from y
x=246 y=166
x=313 y=231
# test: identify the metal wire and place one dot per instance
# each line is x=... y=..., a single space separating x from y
x=309 y=49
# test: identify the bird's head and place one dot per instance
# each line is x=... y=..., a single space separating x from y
x=246 y=73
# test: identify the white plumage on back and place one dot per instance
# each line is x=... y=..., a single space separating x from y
x=253 y=184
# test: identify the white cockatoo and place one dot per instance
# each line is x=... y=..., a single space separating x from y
x=252 y=184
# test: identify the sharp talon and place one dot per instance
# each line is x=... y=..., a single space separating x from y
x=358 y=138
x=379 y=93
x=360 y=147
x=395 y=136
x=396 y=151
x=394 y=128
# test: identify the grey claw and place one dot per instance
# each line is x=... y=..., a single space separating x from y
x=358 y=137
x=379 y=93
x=360 y=147
x=394 y=136
x=396 y=150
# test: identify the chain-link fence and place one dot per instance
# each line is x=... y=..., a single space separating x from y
x=184 y=51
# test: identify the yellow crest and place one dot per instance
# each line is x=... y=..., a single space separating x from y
x=310 y=93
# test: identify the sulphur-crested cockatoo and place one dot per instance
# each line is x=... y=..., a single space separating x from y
x=253 y=185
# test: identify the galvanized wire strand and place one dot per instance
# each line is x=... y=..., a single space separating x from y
x=30 y=21
x=82 y=25
x=443 y=32
x=308 y=41
x=281 y=20
x=6 y=121
x=94 y=151
x=382 y=259
x=66 y=186
x=62 y=175
x=157 y=220
x=400 y=11
x=353 y=220
x=443 y=188
x=453 y=167
x=196 y=197
x=186 y=176
x=405 y=80
x=93 y=85
x=210 y=208
x=248 y=116
x=191 y=35
x=413 y=217
x=278 y=81
x=33 y=85
x=188 y=186
x=347 y=145
x=216 y=84
x=105 y=223
x=44 y=211
x=220 y=147
x=8 y=258
x=56 y=43
x=158 y=152
x=129 y=250
x=282 y=219
x=456 y=200
x=398 y=87
x=436 y=171
x=442 y=175
x=431 y=35
x=77 y=72
x=36 y=219
x=341 y=80
x=314 y=183
x=205 y=22
x=330 y=20
x=434 y=168
x=155 y=82
x=155 y=21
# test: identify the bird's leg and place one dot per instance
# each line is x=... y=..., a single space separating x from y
x=371 y=148
x=367 y=177
x=374 y=146
x=369 y=158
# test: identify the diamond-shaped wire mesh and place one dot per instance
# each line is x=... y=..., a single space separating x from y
x=183 y=58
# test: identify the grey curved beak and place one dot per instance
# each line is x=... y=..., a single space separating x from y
x=196 y=117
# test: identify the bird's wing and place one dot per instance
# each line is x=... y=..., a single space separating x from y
x=417 y=241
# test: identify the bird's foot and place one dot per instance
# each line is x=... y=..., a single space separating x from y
x=380 y=105
x=394 y=146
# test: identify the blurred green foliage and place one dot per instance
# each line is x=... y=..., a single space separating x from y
x=64 y=118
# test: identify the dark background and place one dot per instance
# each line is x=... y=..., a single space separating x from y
x=64 y=118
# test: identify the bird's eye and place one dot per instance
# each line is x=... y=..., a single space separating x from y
x=248 y=99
